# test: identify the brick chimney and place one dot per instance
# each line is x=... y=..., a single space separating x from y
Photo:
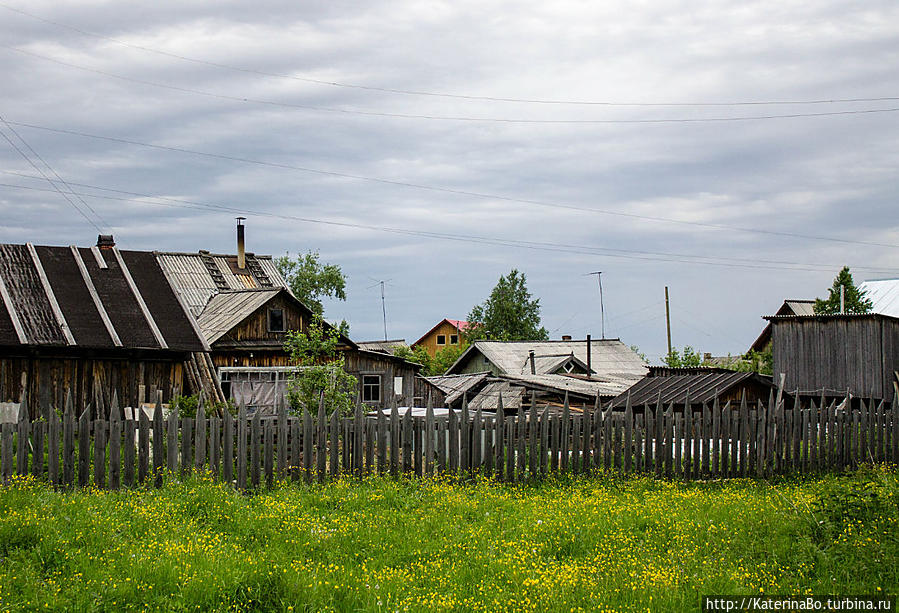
x=105 y=241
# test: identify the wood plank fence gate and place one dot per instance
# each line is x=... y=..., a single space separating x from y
x=715 y=442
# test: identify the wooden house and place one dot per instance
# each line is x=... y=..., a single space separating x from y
x=447 y=333
x=837 y=354
x=789 y=307
x=93 y=321
x=244 y=309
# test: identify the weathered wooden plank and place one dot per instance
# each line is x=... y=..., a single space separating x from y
x=607 y=430
x=687 y=439
x=100 y=453
x=441 y=446
x=282 y=449
x=453 y=423
x=587 y=442
x=618 y=442
x=395 y=440
x=465 y=434
x=429 y=428
x=596 y=420
x=554 y=442
x=715 y=469
x=753 y=440
x=649 y=443
x=187 y=435
x=268 y=460
x=638 y=442
x=743 y=446
x=369 y=445
x=38 y=428
x=115 y=446
x=705 y=430
x=358 y=438
x=242 y=431
x=307 y=444
x=68 y=442
x=6 y=453
x=489 y=454
x=477 y=441
x=533 y=439
x=228 y=449
x=200 y=437
x=669 y=440
x=565 y=434
x=54 y=430
x=334 y=431
x=521 y=445
x=543 y=427
x=23 y=434
x=499 y=449
x=628 y=435
x=382 y=442
x=321 y=440
x=84 y=448
x=215 y=446
x=510 y=450
x=407 y=440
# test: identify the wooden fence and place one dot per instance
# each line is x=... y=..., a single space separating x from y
x=716 y=442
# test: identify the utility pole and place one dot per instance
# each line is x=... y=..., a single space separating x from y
x=602 y=311
x=842 y=299
x=668 y=319
x=384 y=310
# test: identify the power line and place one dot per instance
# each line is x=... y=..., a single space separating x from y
x=56 y=174
x=533 y=245
x=438 y=94
x=49 y=180
x=324 y=109
x=447 y=190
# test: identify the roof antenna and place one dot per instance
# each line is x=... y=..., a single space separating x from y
x=602 y=311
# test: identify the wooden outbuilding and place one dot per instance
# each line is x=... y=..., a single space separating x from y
x=837 y=354
x=94 y=321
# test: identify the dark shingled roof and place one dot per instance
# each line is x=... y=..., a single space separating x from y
x=45 y=292
x=673 y=388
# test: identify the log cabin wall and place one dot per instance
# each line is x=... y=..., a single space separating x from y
x=49 y=378
x=255 y=327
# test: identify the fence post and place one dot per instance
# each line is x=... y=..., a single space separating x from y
x=115 y=443
x=84 y=447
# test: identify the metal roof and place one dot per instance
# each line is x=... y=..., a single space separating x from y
x=608 y=385
x=673 y=389
x=456 y=385
x=227 y=309
x=609 y=357
x=189 y=275
x=92 y=298
x=382 y=346
x=883 y=294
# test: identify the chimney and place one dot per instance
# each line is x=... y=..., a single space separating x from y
x=105 y=241
x=566 y=337
x=533 y=363
x=241 y=254
x=589 y=358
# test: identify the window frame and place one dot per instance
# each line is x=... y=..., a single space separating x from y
x=443 y=336
x=454 y=339
x=269 y=314
x=366 y=386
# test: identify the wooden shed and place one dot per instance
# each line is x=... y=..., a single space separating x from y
x=94 y=321
x=836 y=354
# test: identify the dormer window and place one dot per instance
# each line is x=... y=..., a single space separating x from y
x=276 y=320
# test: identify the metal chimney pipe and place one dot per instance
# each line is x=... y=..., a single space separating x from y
x=241 y=252
x=533 y=362
x=589 y=358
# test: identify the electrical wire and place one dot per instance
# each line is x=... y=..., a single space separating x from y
x=437 y=94
x=324 y=109
x=468 y=238
x=447 y=190
x=49 y=180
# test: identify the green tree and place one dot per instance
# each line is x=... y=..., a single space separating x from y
x=854 y=299
x=509 y=314
x=419 y=355
x=319 y=369
x=432 y=366
x=690 y=358
x=311 y=280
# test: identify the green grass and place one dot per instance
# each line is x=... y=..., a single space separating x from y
x=600 y=543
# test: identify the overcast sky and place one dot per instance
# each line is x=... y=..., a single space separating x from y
x=398 y=122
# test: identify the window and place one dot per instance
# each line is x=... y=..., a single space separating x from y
x=441 y=339
x=276 y=320
x=454 y=339
x=371 y=388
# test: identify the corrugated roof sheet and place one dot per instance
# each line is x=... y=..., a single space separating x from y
x=609 y=385
x=64 y=296
x=884 y=295
x=673 y=389
x=227 y=309
x=456 y=385
x=382 y=346
x=609 y=357
x=191 y=278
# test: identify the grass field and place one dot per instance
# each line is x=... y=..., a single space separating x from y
x=591 y=544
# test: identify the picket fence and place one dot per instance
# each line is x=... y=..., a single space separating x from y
x=715 y=442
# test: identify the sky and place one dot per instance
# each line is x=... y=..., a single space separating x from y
x=737 y=153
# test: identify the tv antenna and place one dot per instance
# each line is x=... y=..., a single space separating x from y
x=602 y=311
